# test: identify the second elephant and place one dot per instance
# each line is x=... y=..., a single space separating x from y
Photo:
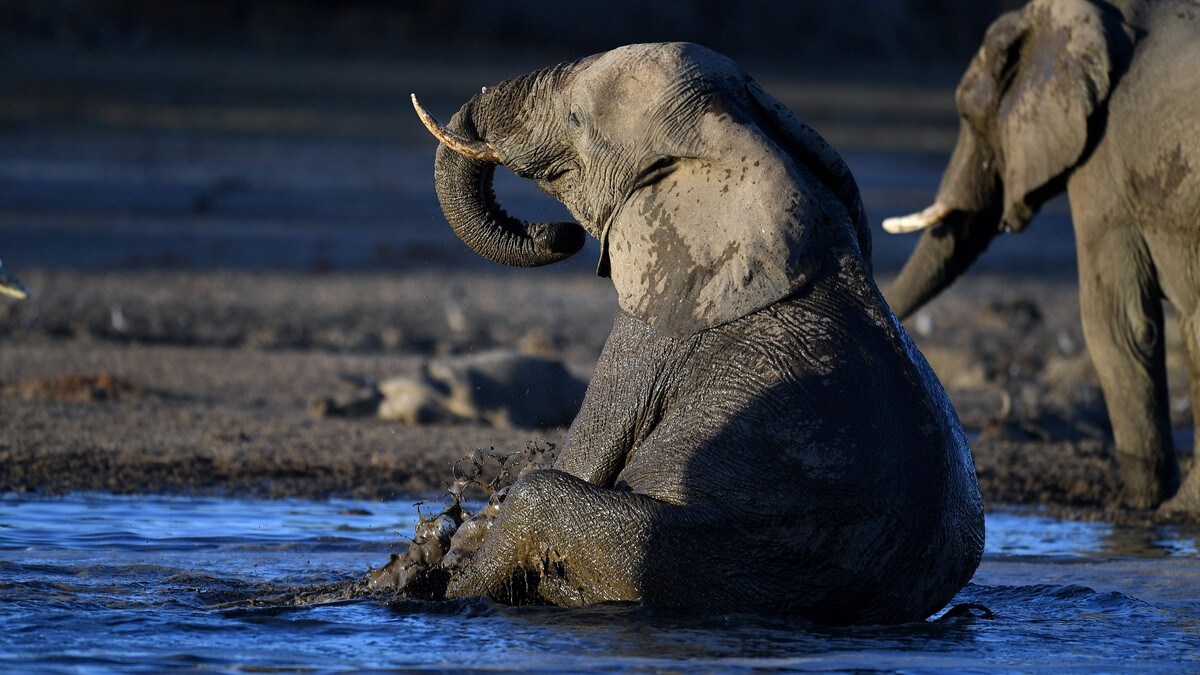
x=1102 y=100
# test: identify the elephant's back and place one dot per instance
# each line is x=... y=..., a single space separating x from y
x=832 y=398
x=1145 y=171
x=815 y=439
x=1153 y=103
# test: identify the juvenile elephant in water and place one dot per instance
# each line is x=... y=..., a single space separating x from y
x=1103 y=100
x=760 y=433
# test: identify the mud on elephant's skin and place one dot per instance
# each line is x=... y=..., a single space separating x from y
x=760 y=434
x=1099 y=99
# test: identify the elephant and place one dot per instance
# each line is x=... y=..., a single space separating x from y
x=501 y=387
x=759 y=434
x=12 y=286
x=1098 y=99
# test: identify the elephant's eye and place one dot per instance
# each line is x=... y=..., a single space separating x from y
x=575 y=117
x=557 y=173
x=559 y=170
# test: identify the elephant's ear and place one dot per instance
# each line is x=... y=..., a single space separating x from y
x=805 y=145
x=1055 y=71
x=723 y=227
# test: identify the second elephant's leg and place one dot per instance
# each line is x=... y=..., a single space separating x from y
x=1121 y=308
x=564 y=541
x=1187 y=500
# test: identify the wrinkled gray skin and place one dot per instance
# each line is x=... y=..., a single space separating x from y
x=760 y=433
x=1103 y=101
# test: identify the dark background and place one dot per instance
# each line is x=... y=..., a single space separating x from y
x=857 y=33
x=278 y=134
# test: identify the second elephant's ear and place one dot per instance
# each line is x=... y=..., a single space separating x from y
x=725 y=226
x=1055 y=67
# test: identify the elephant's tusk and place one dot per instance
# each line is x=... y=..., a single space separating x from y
x=917 y=221
x=474 y=149
x=12 y=286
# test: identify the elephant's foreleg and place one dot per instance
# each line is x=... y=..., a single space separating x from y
x=1187 y=500
x=563 y=541
x=1121 y=307
x=615 y=414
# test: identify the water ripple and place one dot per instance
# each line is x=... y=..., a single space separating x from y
x=104 y=583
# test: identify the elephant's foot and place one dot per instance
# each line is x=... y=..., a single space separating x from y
x=1185 y=505
x=469 y=536
x=417 y=572
x=567 y=542
x=442 y=546
x=1148 y=482
x=1181 y=508
x=404 y=577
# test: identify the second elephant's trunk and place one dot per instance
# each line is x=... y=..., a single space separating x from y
x=945 y=251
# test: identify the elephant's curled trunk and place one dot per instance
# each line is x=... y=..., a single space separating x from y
x=463 y=173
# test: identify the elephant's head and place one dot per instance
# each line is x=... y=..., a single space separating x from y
x=1031 y=106
x=710 y=199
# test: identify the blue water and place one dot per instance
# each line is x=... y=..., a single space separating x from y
x=95 y=583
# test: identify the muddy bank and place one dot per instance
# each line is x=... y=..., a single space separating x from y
x=202 y=381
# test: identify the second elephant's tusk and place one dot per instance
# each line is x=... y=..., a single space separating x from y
x=12 y=286
x=917 y=221
x=474 y=149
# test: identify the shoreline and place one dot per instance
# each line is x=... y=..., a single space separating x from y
x=200 y=382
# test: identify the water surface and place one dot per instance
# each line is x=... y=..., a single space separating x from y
x=97 y=582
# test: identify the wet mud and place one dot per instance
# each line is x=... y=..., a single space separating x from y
x=77 y=388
